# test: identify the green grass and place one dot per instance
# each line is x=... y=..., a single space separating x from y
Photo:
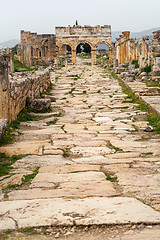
x=27 y=230
x=18 y=66
x=6 y=163
x=110 y=177
x=152 y=83
x=146 y=69
x=52 y=122
x=71 y=91
x=85 y=56
x=28 y=178
x=66 y=153
x=154 y=121
x=62 y=127
x=135 y=62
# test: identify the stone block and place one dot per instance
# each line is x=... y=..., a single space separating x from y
x=3 y=127
x=39 y=104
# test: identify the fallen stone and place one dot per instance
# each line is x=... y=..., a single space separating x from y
x=148 y=129
x=39 y=104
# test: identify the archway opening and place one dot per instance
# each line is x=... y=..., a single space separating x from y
x=83 y=52
x=65 y=54
x=102 y=54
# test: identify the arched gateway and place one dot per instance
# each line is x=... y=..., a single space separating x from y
x=75 y=35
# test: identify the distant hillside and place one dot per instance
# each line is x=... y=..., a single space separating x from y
x=9 y=44
x=137 y=35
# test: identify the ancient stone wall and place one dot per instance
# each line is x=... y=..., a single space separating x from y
x=144 y=50
x=16 y=87
x=36 y=47
x=23 y=85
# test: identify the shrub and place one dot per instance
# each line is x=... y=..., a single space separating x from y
x=135 y=62
x=146 y=69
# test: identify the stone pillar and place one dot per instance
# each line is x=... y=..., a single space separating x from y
x=57 y=54
x=73 y=56
x=4 y=86
x=93 y=55
x=110 y=55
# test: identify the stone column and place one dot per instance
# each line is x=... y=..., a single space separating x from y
x=93 y=55
x=110 y=55
x=4 y=85
x=73 y=56
x=57 y=54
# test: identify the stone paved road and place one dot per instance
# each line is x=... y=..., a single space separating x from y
x=96 y=163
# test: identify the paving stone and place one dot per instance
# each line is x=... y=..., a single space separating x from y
x=88 y=211
x=13 y=180
x=69 y=168
x=21 y=148
x=37 y=161
x=91 y=151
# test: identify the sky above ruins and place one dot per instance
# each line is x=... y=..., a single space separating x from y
x=43 y=15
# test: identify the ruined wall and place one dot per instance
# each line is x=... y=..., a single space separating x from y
x=16 y=87
x=35 y=46
x=23 y=85
x=144 y=50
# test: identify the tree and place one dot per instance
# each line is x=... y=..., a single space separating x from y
x=76 y=22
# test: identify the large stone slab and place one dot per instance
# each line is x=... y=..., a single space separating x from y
x=28 y=147
x=69 y=168
x=88 y=211
x=92 y=151
x=38 y=161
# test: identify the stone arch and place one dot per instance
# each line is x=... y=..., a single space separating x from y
x=84 y=41
x=109 y=45
x=84 y=34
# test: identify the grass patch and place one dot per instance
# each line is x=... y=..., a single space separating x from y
x=18 y=66
x=52 y=122
x=6 y=163
x=147 y=154
x=154 y=121
x=85 y=56
x=62 y=127
x=28 y=178
x=9 y=136
x=135 y=62
x=110 y=176
x=71 y=91
x=27 y=230
x=146 y=69
x=152 y=83
x=66 y=153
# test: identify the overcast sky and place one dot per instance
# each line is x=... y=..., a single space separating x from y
x=43 y=15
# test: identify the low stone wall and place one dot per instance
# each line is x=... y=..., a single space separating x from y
x=23 y=85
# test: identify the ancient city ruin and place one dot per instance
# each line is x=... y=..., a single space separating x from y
x=80 y=133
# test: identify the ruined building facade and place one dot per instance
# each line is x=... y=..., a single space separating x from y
x=36 y=48
x=47 y=47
